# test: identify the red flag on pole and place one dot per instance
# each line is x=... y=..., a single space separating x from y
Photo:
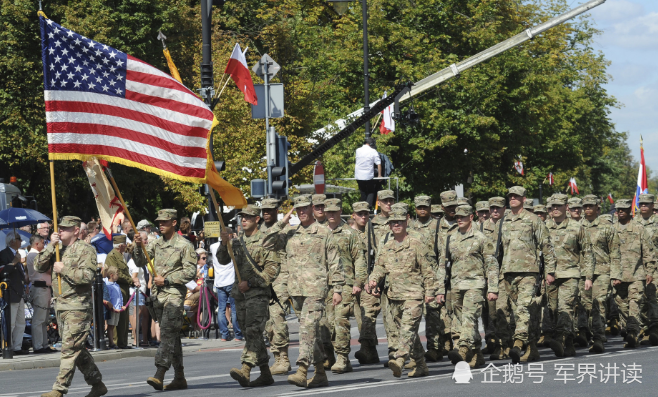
x=573 y=186
x=550 y=178
x=237 y=68
x=610 y=198
x=518 y=165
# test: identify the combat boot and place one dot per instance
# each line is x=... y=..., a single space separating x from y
x=241 y=375
x=491 y=345
x=342 y=365
x=447 y=346
x=480 y=356
x=299 y=377
x=581 y=338
x=461 y=354
x=157 y=379
x=319 y=378
x=597 y=347
x=396 y=366
x=433 y=355
x=411 y=364
x=179 y=382
x=569 y=348
x=52 y=393
x=474 y=362
x=420 y=369
x=372 y=357
x=362 y=354
x=557 y=345
x=613 y=327
x=540 y=342
x=515 y=351
x=653 y=336
x=265 y=378
x=631 y=341
x=97 y=390
x=497 y=352
x=644 y=340
x=622 y=332
x=282 y=364
x=531 y=353
x=330 y=358
x=548 y=338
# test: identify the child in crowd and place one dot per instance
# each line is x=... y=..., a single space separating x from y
x=115 y=305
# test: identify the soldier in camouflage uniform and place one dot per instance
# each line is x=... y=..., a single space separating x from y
x=115 y=258
x=638 y=264
x=605 y=246
x=424 y=223
x=650 y=223
x=576 y=208
x=528 y=206
x=174 y=260
x=523 y=234
x=482 y=210
x=436 y=211
x=73 y=306
x=344 y=243
x=318 y=208
x=277 y=326
x=540 y=211
x=470 y=255
x=406 y=263
x=312 y=273
x=257 y=265
x=572 y=246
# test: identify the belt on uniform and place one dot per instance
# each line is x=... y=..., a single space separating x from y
x=39 y=284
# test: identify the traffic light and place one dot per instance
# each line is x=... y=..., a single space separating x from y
x=279 y=172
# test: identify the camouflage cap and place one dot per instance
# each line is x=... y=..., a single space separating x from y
x=167 y=215
x=119 y=239
x=590 y=199
x=70 y=221
x=655 y=203
x=497 y=202
x=385 y=194
x=436 y=209
x=250 y=210
x=333 y=204
x=647 y=198
x=528 y=205
x=423 y=201
x=397 y=214
x=269 y=204
x=143 y=224
x=482 y=206
x=302 y=201
x=575 y=202
x=463 y=201
x=624 y=203
x=539 y=208
x=318 y=199
x=401 y=206
x=559 y=199
x=360 y=206
x=518 y=190
x=464 y=210
x=449 y=197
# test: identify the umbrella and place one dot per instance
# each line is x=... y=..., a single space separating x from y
x=25 y=237
x=18 y=217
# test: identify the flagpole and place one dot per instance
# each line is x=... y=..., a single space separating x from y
x=125 y=208
x=228 y=243
x=52 y=192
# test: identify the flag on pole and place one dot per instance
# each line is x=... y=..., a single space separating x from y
x=550 y=178
x=239 y=72
x=610 y=198
x=388 y=124
x=103 y=103
x=642 y=185
x=108 y=204
x=573 y=186
x=518 y=165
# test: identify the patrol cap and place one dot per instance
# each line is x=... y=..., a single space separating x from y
x=575 y=202
x=70 y=221
x=518 y=190
x=559 y=199
x=539 y=208
x=436 y=209
x=333 y=204
x=301 y=201
x=590 y=199
x=397 y=214
x=401 y=206
x=624 y=203
x=647 y=198
x=463 y=201
x=119 y=239
x=385 y=194
x=464 y=210
x=528 y=205
x=143 y=224
x=497 y=202
x=423 y=201
x=449 y=197
x=318 y=199
x=360 y=206
x=269 y=204
x=167 y=215
x=482 y=206
x=250 y=210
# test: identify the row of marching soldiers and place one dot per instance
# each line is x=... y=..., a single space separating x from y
x=531 y=278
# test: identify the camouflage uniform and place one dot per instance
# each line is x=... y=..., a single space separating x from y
x=438 y=323
x=637 y=260
x=175 y=260
x=650 y=315
x=489 y=311
x=73 y=306
x=436 y=211
x=116 y=259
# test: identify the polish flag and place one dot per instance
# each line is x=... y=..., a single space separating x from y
x=388 y=124
x=237 y=68
x=610 y=198
x=518 y=165
x=550 y=178
x=573 y=186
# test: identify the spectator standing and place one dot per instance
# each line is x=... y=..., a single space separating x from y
x=224 y=279
x=116 y=303
x=185 y=229
x=43 y=229
x=116 y=259
x=92 y=230
x=11 y=266
x=40 y=296
x=139 y=282
x=364 y=170
x=84 y=232
x=144 y=226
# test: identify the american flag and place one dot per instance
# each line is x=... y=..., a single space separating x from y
x=101 y=102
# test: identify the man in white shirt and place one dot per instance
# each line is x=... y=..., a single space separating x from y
x=364 y=170
x=224 y=279
x=40 y=296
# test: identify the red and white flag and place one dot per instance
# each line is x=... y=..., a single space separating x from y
x=388 y=124
x=573 y=186
x=108 y=204
x=610 y=198
x=237 y=68
x=518 y=165
x=551 y=181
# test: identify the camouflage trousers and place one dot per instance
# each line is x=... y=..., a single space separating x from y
x=504 y=315
x=348 y=307
x=74 y=327
x=328 y=321
x=392 y=331
x=277 y=326
x=406 y=316
x=434 y=325
x=309 y=311
x=598 y=295
x=630 y=299
x=370 y=307
x=169 y=312
x=567 y=299
x=489 y=316
x=650 y=314
x=467 y=304
x=583 y=307
x=252 y=317
x=520 y=290
x=549 y=308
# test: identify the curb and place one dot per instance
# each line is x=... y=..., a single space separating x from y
x=53 y=360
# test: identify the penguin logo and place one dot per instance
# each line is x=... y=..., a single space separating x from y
x=462 y=373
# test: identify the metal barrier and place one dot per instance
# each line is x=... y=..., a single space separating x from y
x=386 y=178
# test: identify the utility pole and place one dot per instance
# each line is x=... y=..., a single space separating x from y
x=207 y=90
x=366 y=96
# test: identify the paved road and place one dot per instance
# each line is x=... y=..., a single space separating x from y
x=207 y=375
